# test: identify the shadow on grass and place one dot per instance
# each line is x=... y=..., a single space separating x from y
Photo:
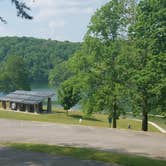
x=81 y=117
x=34 y=156
x=112 y=156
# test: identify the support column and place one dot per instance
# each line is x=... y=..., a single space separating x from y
x=4 y=104
x=10 y=105
x=40 y=107
x=27 y=108
x=18 y=107
x=36 y=108
x=49 y=105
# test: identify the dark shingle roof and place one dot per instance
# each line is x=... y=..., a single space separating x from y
x=27 y=97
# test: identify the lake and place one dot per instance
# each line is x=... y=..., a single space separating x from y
x=44 y=87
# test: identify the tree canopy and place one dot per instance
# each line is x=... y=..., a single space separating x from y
x=122 y=60
x=39 y=55
x=14 y=75
x=149 y=70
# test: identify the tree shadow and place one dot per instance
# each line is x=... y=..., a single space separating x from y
x=14 y=157
x=85 y=118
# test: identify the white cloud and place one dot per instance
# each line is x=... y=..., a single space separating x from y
x=53 y=24
x=55 y=8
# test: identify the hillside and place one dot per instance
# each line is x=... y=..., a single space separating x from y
x=40 y=55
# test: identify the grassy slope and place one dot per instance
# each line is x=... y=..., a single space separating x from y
x=59 y=116
x=91 y=154
x=161 y=121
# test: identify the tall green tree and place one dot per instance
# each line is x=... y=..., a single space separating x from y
x=98 y=63
x=148 y=34
x=14 y=75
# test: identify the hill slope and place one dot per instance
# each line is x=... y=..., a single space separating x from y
x=40 y=55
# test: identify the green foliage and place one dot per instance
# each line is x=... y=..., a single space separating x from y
x=98 y=65
x=14 y=75
x=116 y=72
x=110 y=21
x=148 y=74
x=40 y=55
x=68 y=94
x=59 y=74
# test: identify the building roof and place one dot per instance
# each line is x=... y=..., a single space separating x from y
x=27 y=97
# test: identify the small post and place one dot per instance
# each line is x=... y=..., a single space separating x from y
x=129 y=126
x=49 y=108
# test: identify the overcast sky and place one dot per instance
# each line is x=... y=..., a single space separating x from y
x=55 y=19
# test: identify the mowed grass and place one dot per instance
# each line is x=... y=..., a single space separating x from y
x=90 y=154
x=161 y=121
x=59 y=116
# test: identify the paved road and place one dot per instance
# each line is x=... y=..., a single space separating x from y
x=12 y=157
x=123 y=141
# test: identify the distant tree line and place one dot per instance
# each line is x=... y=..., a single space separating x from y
x=40 y=56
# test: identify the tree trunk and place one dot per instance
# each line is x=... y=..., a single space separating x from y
x=145 y=121
x=145 y=114
x=114 y=119
x=114 y=114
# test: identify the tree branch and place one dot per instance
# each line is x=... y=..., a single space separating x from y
x=3 y=20
x=21 y=8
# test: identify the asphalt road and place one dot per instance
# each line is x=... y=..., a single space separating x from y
x=123 y=141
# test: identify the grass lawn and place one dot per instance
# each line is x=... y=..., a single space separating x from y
x=59 y=116
x=161 y=121
x=90 y=154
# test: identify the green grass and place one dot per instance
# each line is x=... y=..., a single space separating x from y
x=90 y=154
x=158 y=120
x=161 y=121
x=59 y=116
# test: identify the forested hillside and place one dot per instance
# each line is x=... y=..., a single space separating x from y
x=40 y=55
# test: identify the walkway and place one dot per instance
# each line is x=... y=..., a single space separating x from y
x=123 y=141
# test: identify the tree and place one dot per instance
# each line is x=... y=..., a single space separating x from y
x=14 y=75
x=98 y=63
x=148 y=73
x=68 y=95
x=21 y=8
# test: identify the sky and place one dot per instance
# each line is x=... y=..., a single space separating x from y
x=53 y=19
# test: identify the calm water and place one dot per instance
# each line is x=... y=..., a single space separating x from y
x=43 y=87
